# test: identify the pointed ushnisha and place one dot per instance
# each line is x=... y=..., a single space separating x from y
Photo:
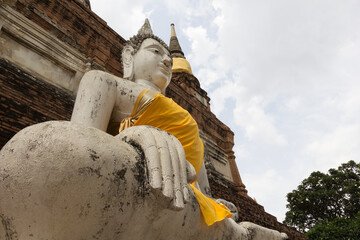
x=174 y=46
x=146 y=28
x=144 y=33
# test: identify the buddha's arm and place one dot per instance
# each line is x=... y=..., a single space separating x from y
x=95 y=100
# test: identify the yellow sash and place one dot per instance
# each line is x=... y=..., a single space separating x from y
x=163 y=113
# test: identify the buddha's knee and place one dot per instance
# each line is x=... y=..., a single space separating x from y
x=69 y=181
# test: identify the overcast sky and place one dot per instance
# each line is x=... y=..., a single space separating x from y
x=284 y=75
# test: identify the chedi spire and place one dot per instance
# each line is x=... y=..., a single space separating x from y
x=180 y=64
x=174 y=46
x=86 y=3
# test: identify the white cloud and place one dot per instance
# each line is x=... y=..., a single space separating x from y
x=207 y=77
x=285 y=45
x=190 y=9
x=269 y=189
x=248 y=113
x=297 y=62
x=227 y=90
x=202 y=47
x=258 y=125
x=130 y=17
x=294 y=103
x=336 y=147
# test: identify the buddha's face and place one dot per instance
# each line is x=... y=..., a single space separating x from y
x=152 y=63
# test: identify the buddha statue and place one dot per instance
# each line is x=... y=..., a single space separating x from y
x=124 y=167
x=120 y=103
x=109 y=103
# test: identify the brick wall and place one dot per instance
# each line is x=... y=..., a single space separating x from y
x=73 y=23
x=26 y=100
x=182 y=89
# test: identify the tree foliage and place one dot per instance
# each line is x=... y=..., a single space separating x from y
x=337 y=229
x=323 y=198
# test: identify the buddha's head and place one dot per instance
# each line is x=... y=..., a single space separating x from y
x=146 y=59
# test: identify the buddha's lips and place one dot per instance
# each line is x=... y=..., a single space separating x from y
x=164 y=69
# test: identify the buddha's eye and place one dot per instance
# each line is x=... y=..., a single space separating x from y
x=156 y=51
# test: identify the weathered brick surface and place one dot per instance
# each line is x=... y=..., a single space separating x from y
x=73 y=23
x=26 y=100
x=182 y=89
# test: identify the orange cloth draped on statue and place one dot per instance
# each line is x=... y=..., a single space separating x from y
x=163 y=113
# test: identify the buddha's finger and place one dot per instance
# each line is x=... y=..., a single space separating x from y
x=142 y=138
x=190 y=172
x=183 y=165
x=165 y=161
x=178 y=202
x=145 y=136
x=153 y=158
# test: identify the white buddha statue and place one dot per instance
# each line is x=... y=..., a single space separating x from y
x=104 y=101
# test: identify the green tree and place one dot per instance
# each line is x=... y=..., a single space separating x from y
x=322 y=199
x=337 y=229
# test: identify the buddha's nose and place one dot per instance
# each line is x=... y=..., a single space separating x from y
x=167 y=60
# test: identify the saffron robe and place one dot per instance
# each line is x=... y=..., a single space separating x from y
x=163 y=113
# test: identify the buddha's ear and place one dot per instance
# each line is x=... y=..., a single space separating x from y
x=128 y=62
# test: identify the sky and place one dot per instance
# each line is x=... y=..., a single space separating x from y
x=284 y=75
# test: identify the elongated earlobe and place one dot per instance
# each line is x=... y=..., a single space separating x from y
x=128 y=62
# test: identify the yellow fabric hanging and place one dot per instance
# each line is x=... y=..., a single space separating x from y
x=165 y=114
x=211 y=211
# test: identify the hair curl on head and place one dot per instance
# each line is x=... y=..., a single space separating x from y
x=137 y=40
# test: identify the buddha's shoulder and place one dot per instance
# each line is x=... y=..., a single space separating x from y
x=100 y=77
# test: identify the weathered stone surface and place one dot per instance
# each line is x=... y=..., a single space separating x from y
x=260 y=233
x=60 y=180
x=66 y=181
x=39 y=52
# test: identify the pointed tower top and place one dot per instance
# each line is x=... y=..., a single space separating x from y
x=86 y=3
x=174 y=46
x=180 y=64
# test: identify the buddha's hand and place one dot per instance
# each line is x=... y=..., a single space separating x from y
x=233 y=209
x=168 y=170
